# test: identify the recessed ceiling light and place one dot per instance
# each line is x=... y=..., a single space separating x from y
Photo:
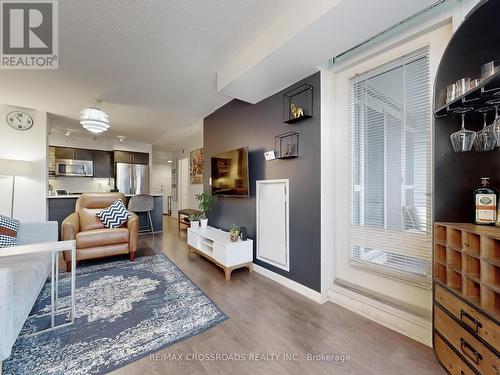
x=67 y=133
x=169 y=161
x=122 y=139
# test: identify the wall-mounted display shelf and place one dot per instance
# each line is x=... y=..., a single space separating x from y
x=286 y=145
x=298 y=104
x=487 y=90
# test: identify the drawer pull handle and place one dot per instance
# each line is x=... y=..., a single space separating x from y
x=471 y=318
x=465 y=345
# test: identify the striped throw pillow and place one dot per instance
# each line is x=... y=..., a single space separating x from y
x=8 y=231
x=114 y=216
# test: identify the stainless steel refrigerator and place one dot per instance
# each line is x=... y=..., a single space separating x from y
x=132 y=178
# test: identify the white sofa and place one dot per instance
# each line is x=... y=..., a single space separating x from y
x=21 y=280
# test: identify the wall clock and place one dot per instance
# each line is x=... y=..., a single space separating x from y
x=19 y=120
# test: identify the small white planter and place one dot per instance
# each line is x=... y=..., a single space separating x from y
x=204 y=223
x=195 y=224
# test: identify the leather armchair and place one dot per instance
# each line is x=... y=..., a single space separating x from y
x=93 y=239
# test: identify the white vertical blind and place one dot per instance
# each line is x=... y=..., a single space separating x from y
x=390 y=198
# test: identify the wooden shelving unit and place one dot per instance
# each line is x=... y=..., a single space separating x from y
x=467 y=260
x=466 y=292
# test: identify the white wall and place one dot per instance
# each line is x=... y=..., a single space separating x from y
x=193 y=142
x=30 y=194
x=161 y=176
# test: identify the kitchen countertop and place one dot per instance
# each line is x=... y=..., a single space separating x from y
x=78 y=195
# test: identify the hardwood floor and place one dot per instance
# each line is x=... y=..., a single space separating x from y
x=266 y=318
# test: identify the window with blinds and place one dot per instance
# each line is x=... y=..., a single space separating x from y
x=390 y=198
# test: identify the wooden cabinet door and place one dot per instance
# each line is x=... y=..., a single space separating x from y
x=82 y=154
x=449 y=359
x=140 y=158
x=73 y=153
x=123 y=157
x=65 y=153
x=103 y=165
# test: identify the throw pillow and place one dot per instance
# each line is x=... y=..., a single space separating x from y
x=114 y=216
x=8 y=231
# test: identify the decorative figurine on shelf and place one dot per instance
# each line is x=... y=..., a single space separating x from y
x=289 y=151
x=234 y=233
x=296 y=111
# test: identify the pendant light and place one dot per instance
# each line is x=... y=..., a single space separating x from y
x=94 y=120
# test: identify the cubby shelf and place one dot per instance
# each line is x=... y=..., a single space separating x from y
x=472 y=254
x=467 y=260
x=473 y=276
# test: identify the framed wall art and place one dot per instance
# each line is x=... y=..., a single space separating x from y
x=196 y=166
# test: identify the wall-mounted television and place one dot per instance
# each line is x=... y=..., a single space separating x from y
x=230 y=173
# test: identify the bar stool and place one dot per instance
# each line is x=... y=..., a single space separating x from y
x=143 y=203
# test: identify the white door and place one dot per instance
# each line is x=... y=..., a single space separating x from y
x=183 y=183
x=162 y=182
x=272 y=223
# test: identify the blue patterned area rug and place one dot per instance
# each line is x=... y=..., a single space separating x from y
x=124 y=311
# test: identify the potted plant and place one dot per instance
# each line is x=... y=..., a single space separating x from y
x=194 y=220
x=234 y=232
x=205 y=205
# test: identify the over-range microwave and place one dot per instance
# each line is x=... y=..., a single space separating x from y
x=68 y=167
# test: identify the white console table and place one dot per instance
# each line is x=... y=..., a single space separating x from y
x=215 y=245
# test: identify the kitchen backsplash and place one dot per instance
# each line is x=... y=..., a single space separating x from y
x=80 y=184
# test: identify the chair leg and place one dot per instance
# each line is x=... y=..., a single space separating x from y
x=151 y=224
x=132 y=256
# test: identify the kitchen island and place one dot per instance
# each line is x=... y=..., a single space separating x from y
x=60 y=206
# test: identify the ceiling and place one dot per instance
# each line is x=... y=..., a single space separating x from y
x=153 y=63
x=156 y=64
x=258 y=72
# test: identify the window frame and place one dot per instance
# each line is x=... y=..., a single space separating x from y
x=423 y=280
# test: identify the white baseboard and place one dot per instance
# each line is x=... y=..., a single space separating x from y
x=293 y=285
x=413 y=326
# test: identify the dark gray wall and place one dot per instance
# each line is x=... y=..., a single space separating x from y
x=239 y=124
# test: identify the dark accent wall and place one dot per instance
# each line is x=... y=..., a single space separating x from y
x=238 y=124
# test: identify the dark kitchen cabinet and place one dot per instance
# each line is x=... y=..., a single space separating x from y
x=73 y=153
x=140 y=158
x=82 y=154
x=103 y=164
x=123 y=157
x=65 y=153
x=131 y=157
